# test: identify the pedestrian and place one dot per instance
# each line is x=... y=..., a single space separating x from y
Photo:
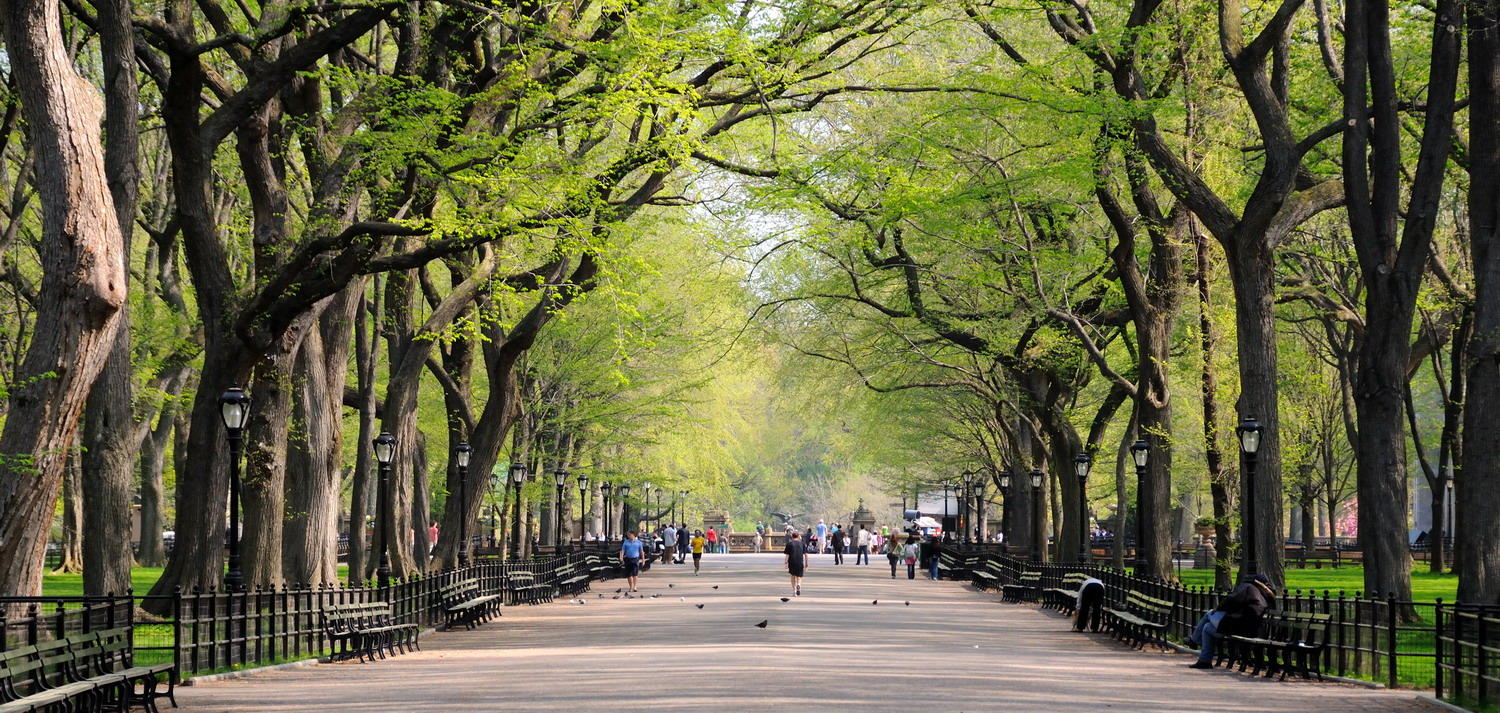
x=668 y=544
x=698 y=542
x=432 y=534
x=1089 y=610
x=929 y=556
x=684 y=542
x=862 y=545
x=892 y=553
x=885 y=531
x=759 y=541
x=796 y=562
x=909 y=553
x=1240 y=613
x=809 y=541
x=821 y=532
x=838 y=545
x=630 y=557
x=713 y=540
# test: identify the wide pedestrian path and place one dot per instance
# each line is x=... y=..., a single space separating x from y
x=856 y=641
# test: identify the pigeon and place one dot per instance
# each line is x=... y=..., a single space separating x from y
x=615 y=597
x=621 y=589
x=716 y=586
x=655 y=596
x=700 y=606
x=763 y=624
x=908 y=604
x=682 y=599
x=785 y=599
x=877 y=601
x=670 y=585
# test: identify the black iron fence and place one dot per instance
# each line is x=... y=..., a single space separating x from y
x=1399 y=643
x=204 y=631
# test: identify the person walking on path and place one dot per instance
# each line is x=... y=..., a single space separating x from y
x=759 y=541
x=684 y=542
x=1240 y=613
x=862 y=545
x=929 y=556
x=668 y=544
x=796 y=562
x=821 y=532
x=838 y=545
x=630 y=557
x=698 y=542
x=910 y=553
x=713 y=540
x=893 y=553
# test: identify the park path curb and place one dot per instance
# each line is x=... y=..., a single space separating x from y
x=242 y=673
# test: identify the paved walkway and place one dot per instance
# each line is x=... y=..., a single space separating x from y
x=951 y=650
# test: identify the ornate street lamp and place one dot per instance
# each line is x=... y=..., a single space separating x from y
x=1081 y=464
x=583 y=506
x=622 y=492
x=1140 y=452
x=1003 y=480
x=385 y=452
x=461 y=454
x=605 y=489
x=1249 y=432
x=1037 y=534
x=518 y=472
x=560 y=478
x=234 y=408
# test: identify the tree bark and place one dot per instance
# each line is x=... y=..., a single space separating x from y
x=1478 y=510
x=153 y=463
x=70 y=554
x=83 y=286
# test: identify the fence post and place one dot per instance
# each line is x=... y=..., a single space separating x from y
x=1483 y=662
x=1340 y=620
x=1390 y=620
x=1437 y=641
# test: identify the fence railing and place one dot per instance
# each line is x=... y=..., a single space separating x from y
x=1468 y=654
x=203 y=631
x=1399 y=643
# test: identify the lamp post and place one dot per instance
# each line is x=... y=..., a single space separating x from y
x=1004 y=479
x=946 y=486
x=1140 y=452
x=623 y=492
x=682 y=507
x=1249 y=432
x=234 y=408
x=1081 y=464
x=385 y=451
x=650 y=490
x=583 y=506
x=517 y=477
x=604 y=489
x=1037 y=533
x=461 y=454
x=560 y=477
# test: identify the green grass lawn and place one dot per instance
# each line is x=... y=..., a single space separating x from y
x=1425 y=586
x=141 y=578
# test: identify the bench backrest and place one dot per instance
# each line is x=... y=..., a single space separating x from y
x=1031 y=577
x=1148 y=608
x=1297 y=627
x=1074 y=580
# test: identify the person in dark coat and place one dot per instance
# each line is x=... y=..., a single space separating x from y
x=1240 y=613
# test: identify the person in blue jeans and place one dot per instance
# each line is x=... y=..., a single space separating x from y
x=1240 y=613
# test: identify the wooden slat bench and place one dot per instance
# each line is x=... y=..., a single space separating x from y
x=1064 y=598
x=1139 y=620
x=525 y=588
x=84 y=671
x=463 y=604
x=1025 y=589
x=367 y=630
x=24 y=685
x=1288 y=642
x=572 y=579
x=987 y=575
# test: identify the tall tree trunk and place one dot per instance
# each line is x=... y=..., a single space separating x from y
x=70 y=559
x=1391 y=271
x=361 y=537
x=109 y=436
x=153 y=464
x=83 y=286
x=1478 y=510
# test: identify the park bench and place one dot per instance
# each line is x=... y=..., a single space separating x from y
x=952 y=565
x=1287 y=642
x=1064 y=597
x=85 y=671
x=525 y=588
x=367 y=630
x=1139 y=620
x=599 y=566
x=1024 y=589
x=463 y=604
x=987 y=575
x=572 y=579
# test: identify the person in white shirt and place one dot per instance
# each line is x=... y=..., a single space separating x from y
x=862 y=546
x=669 y=544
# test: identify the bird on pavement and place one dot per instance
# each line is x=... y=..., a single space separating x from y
x=877 y=601
x=700 y=606
x=670 y=585
x=785 y=599
x=763 y=624
x=716 y=586
x=908 y=604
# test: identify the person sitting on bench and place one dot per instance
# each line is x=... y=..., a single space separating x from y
x=1090 y=607
x=1240 y=613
